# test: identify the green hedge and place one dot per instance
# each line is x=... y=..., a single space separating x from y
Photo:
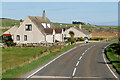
x=112 y=53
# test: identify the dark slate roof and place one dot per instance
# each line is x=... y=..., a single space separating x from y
x=83 y=30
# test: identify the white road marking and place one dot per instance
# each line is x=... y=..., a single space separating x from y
x=53 y=61
x=83 y=53
x=80 y=58
x=109 y=67
x=77 y=63
x=50 y=77
x=88 y=48
x=74 y=72
x=85 y=50
x=60 y=77
x=88 y=77
x=50 y=62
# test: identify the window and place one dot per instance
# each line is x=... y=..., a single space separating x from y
x=25 y=37
x=18 y=37
x=64 y=35
x=28 y=27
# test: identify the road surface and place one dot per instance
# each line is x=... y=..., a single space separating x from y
x=86 y=62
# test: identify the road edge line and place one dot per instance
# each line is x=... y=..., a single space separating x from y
x=108 y=65
x=52 y=61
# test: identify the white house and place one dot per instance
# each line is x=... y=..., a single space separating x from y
x=35 y=29
x=78 y=32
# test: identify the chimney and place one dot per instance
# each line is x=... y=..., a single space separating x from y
x=80 y=26
x=44 y=17
x=21 y=21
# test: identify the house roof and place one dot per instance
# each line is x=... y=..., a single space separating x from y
x=83 y=30
x=50 y=30
x=11 y=30
x=38 y=20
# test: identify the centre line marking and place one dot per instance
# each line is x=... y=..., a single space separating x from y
x=77 y=63
x=74 y=72
x=83 y=54
x=80 y=58
x=85 y=50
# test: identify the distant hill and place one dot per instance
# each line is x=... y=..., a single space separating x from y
x=9 y=22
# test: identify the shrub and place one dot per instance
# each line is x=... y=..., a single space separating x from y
x=81 y=39
x=72 y=40
x=71 y=33
x=97 y=39
x=66 y=39
x=9 y=42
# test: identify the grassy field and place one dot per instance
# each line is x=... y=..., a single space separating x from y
x=113 y=55
x=64 y=24
x=2 y=31
x=109 y=26
x=12 y=57
x=18 y=56
x=104 y=34
x=9 y=22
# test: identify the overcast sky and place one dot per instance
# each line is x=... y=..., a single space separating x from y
x=98 y=13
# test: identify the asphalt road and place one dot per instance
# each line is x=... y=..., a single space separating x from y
x=82 y=63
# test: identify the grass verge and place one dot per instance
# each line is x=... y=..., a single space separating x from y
x=112 y=39
x=13 y=73
x=112 y=52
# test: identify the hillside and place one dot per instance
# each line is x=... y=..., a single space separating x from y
x=73 y=25
x=9 y=22
x=98 y=32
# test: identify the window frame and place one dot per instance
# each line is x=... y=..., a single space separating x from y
x=25 y=38
x=28 y=27
x=18 y=37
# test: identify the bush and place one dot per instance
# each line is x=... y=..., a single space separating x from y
x=81 y=39
x=9 y=42
x=72 y=40
x=66 y=39
x=97 y=39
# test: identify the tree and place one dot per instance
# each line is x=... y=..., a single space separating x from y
x=71 y=33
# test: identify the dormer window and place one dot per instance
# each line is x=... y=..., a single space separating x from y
x=28 y=27
x=44 y=25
